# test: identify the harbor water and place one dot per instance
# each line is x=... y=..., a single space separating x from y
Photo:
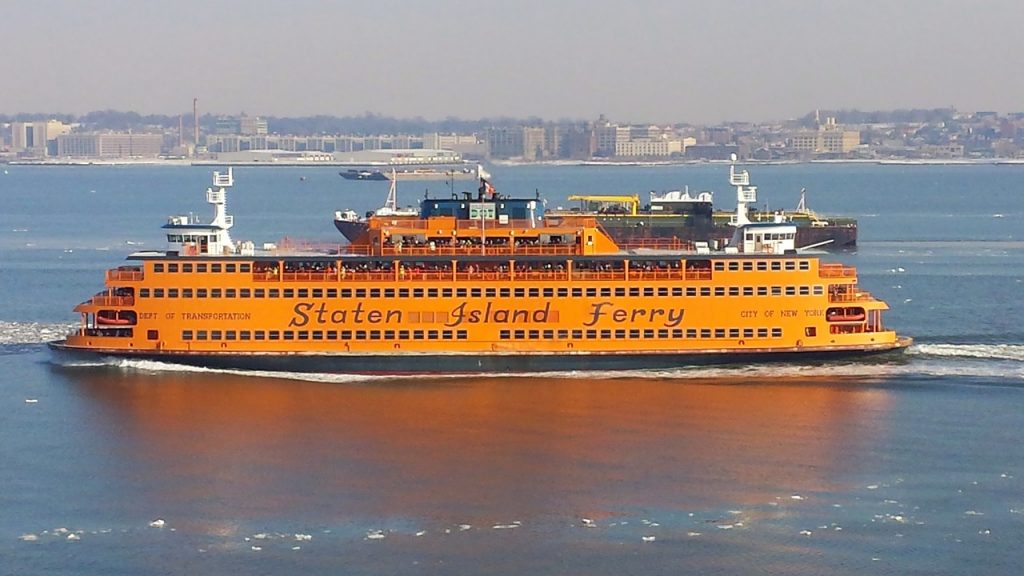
x=906 y=464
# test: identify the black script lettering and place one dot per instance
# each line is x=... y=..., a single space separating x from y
x=598 y=310
x=300 y=319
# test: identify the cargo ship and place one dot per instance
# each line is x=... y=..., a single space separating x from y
x=490 y=288
x=451 y=173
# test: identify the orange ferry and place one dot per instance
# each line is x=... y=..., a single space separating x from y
x=476 y=292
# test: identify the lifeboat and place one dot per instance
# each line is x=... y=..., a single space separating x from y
x=853 y=314
x=115 y=317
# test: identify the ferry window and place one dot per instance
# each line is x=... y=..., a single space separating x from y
x=186 y=334
x=490 y=293
x=691 y=332
x=186 y=293
x=331 y=292
x=719 y=332
x=548 y=334
x=563 y=334
x=748 y=290
x=549 y=292
x=244 y=267
x=361 y=293
x=577 y=292
x=447 y=292
x=158 y=267
x=158 y=292
x=504 y=293
x=790 y=290
x=388 y=293
x=577 y=334
x=200 y=292
x=563 y=292
x=215 y=293
x=662 y=291
x=762 y=265
x=805 y=290
x=705 y=333
x=332 y=334
x=416 y=292
x=201 y=268
x=690 y=291
x=274 y=335
x=819 y=290
x=762 y=290
x=776 y=265
x=810 y=331
x=776 y=332
x=606 y=292
x=260 y=335
x=663 y=333
x=346 y=334
x=389 y=334
x=606 y=334
x=431 y=334
x=215 y=268
x=172 y=292
x=534 y=292
x=520 y=293
x=520 y=334
x=461 y=334
x=591 y=292
x=374 y=334
x=677 y=291
x=274 y=293
x=748 y=265
x=143 y=292
x=230 y=293
x=805 y=265
x=648 y=291
x=172 y=267
x=620 y=292
x=705 y=291
x=318 y=293
x=375 y=293
x=403 y=334
x=734 y=332
x=762 y=332
x=245 y=335
x=215 y=335
x=303 y=293
x=719 y=266
x=534 y=334
x=677 y=333
x=230 y=335
x=186 y=267
x=259 y=293
x=719 y=290
x=304 y=335
x=446 y=335
x=503 y=334
x=229 y=267
x=461 y=293
x=790 y=265
x=635 y=333
x=632 y=291
x=289 y=293
x=734 y=266
x=431 y=292
x=475 y=292
x=288 y=335
x=591 y=334
x=360 y=335
x=152 y=334
x=734 y=290
x=417 y=334
x=776 y=290
x=200 y=334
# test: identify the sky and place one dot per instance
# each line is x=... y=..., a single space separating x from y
x=635 y=61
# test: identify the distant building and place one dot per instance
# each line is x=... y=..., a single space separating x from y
x=110 y=145
x=37 y=138
x=251 y=125
x=829 y=139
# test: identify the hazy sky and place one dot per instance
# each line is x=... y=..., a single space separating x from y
x=634 y=61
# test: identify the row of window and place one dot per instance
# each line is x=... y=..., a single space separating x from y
x=346 y=293
x=721 y=266
x=324 y=335
x=578 y=334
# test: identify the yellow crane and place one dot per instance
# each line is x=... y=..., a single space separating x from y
x=632 y=202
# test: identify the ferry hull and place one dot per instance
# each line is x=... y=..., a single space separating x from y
x=489 y=364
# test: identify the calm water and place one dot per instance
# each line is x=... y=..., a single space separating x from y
x=903 y=466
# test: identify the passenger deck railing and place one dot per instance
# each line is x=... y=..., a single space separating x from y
x=112 y=300
x=118 y=275
x=832 y=270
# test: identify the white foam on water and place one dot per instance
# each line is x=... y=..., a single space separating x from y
x=32 y=332
x=986 y=351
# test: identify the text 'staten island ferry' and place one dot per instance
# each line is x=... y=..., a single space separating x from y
x=485 y=290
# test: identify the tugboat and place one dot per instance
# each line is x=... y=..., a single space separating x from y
x=479 y=290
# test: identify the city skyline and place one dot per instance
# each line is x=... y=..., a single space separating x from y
x=642 y=62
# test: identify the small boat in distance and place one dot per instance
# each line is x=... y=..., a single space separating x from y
x=354 y=174
x=352 y=226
